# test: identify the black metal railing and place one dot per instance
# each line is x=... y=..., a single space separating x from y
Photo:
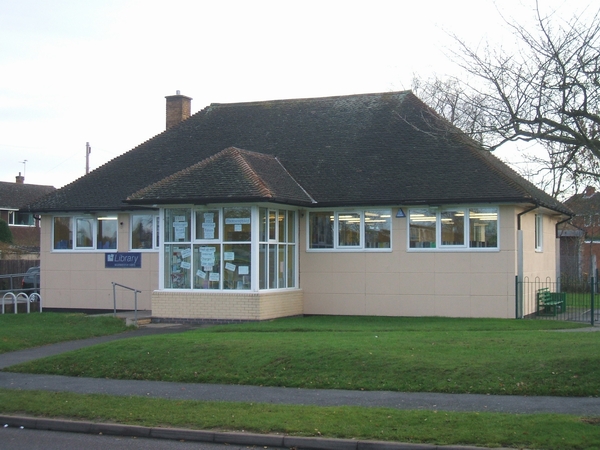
x=562 y=299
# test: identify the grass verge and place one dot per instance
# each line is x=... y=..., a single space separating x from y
x=534 y=431
x=397 y=354
x=21 y=331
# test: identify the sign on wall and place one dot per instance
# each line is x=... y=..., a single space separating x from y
x=126 y=260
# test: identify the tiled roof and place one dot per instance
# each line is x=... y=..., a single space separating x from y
x=15 y=195
x=368 y=149
x=230 y=175
x=585 y=204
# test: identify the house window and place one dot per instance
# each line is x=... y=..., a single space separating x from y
x=84 y=233
x=277 y=249
x=321 y=226
x=107 y=233
x=422 y=227
x=449 y=228
x=143 y=234
x=63 y=233
x=17 y=218
x=539 y=232
x=350 y=230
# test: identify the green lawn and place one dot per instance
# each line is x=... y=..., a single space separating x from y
x=532 y=431
x=408 y=354
x=21 y=331
x=398 y=354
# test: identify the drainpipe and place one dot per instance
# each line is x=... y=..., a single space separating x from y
x=519 y=294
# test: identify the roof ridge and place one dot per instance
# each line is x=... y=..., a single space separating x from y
x=305 y=99
x=254 y=177
x=295 y=181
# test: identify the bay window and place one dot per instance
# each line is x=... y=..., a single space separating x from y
x=212 y=248
x=447 y=228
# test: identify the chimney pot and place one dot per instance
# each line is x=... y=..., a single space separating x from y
x=20 y=179
x=178 y=109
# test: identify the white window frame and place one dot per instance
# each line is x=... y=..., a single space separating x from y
x=155 y=232
x=94 y=232
x=539 y=233
x=466 y=246
x=220 y=240
x=337 y=247
x=280 y=243
x=12 y=214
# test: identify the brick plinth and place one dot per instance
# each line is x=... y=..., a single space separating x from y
x=226 y=306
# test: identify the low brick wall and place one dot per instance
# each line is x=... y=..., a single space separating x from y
x=226 y=306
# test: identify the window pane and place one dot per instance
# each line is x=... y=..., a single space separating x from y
x=291 y=226
x=107 y=233
x=272 y=266
x=483 y=227
x=63 y=233
x=207 y=266
x=263 y=267
x=349 y=229
x=236 y=266
x=237 y=224
x=453 y=227
x=377 y=229
x=291 y=266
x=177 y=266
x=262 y=220
x=321 y=229
x=141 y=231
x=282 y=226
x=422 y=228
x=207 y=224
x=84 y=229
x=539 y=236
x=177 y=225
x=17 y=218
x=272 y=224
x=281 y=267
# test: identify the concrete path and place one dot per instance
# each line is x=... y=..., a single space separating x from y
x=321 y=397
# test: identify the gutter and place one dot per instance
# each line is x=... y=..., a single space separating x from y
x=563 y=221
x=535 y=206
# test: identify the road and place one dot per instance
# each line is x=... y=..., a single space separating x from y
x=18 y=439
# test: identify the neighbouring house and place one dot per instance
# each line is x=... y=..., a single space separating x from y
x=24 y=225
x=580 y=239
x=359 y=205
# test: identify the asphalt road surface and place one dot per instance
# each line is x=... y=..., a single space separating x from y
x=20 y=439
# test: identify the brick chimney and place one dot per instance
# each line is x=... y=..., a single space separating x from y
x=20 y=179
x=589 y=191
x=178 y=109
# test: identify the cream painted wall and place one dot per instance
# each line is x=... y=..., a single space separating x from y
x=412 y=283
x=78 y=280
x=401 y=282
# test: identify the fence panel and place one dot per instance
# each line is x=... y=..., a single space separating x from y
x=564 y=299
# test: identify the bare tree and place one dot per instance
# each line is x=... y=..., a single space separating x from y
x=548 y=91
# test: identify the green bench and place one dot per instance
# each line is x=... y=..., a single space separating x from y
x=550 y=303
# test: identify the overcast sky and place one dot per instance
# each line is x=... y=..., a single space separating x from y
x=77 y=71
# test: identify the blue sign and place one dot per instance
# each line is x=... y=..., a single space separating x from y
x=127 y=260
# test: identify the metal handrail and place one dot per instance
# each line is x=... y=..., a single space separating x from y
x=135 y=291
